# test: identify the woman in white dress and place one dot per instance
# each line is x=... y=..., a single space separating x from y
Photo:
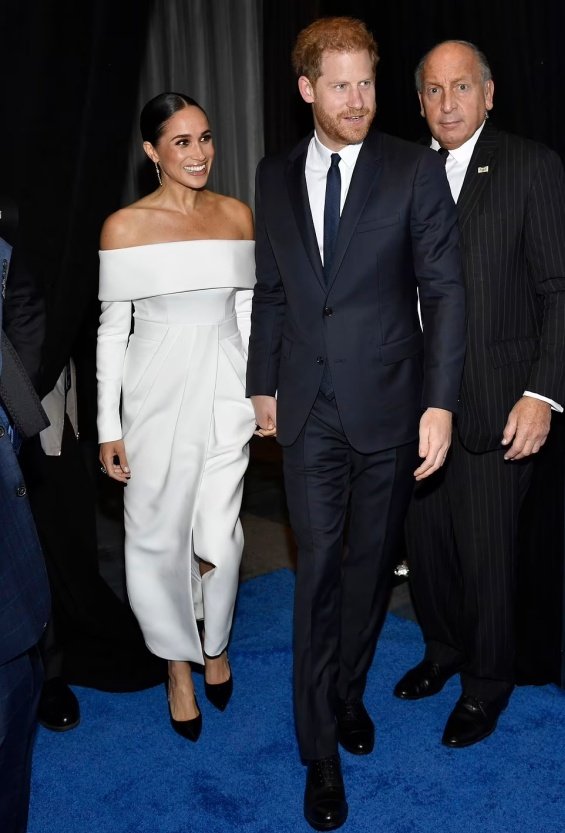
x=181 y=260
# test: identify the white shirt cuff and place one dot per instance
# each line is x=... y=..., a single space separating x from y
x=555 y=406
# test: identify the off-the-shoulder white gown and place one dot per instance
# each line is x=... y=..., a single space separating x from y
x=185 y=423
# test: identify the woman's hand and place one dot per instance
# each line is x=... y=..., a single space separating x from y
x=113 y=460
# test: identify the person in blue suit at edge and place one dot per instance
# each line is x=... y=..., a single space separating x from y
x=24 y=589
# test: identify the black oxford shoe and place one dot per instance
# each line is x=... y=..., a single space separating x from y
x=58 y=707
x=472 y=720
x=355 y=729
x=424 y=680
x=325 y=807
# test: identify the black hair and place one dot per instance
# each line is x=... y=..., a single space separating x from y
x=157 y=112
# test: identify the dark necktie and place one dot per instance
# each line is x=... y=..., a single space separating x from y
x=331 y=225
x=444 y=153
x=331 y=211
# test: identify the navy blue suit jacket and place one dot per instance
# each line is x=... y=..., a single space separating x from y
x=397 y=235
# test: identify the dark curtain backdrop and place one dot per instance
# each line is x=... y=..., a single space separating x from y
x=68 y=84
x=211 y=51
x=69 y=74
x=523 y=40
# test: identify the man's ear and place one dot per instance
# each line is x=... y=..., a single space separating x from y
x=489 y=94
x=306 y=89
x=422 y=113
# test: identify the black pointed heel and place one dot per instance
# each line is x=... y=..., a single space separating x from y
x=188 y=729
x=220 y=693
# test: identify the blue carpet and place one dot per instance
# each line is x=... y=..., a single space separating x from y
x=123 y=770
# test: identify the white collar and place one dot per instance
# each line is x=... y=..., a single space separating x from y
x=348 y=153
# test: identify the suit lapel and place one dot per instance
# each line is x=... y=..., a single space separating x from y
x=363 y=181
x=479 y=172
x=298 y=193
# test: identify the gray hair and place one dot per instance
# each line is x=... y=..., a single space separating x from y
x=486 y=74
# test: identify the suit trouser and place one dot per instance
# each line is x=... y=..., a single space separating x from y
x=461 y=536
x=340 y=602
x=20 y=686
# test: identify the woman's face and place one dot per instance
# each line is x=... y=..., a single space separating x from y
x=184 y=150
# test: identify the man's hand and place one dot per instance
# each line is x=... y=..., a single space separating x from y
x=435 y=439
x=265 y=408
x=528 y=426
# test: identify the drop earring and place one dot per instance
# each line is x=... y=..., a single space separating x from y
x=158 y=173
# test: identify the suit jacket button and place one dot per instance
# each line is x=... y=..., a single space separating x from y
x=319 y=360
x=2 y=431
x=21 y=491
x=328 y=311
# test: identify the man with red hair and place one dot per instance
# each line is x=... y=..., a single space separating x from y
x=350 y=227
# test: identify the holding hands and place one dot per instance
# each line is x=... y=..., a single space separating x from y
x=265 y=408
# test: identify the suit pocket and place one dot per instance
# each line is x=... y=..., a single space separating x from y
x=514 y=351
x=375 y=223
x=143 y=362
x=404 y=348
x=140 y=355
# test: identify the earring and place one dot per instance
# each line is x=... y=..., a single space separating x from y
x=158 y=173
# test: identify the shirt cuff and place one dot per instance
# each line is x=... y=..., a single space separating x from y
x=555 y=406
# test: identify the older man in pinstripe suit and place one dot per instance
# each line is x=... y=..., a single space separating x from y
x=24 y=609
x=462 y=524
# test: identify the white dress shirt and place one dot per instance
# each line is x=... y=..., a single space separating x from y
x=457 y=162
x=456 y=166
x=318 y=160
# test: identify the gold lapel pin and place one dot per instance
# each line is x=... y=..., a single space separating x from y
x=483 y=170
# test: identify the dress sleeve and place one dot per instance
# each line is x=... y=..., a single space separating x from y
x=113 y=335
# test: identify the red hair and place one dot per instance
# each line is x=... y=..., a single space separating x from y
x=330 y=34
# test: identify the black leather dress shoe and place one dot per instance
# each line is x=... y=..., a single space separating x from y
x=472 y=720
x=187 y=729
x=325 y=807
x=58 y=707
x=355 y=729
x=423 y=680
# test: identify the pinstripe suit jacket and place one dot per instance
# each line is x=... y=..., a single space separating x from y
x=24 y=590
x=512 y=225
